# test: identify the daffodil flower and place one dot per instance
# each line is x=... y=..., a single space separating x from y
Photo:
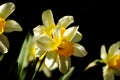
x=112 y=61
x=60 y=47
x=49 y=24
x=7 y=26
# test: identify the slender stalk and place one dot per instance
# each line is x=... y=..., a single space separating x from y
x=36 y=69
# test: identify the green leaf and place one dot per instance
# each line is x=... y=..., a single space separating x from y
x=67 y=75
x=22 y=59
x=1 y=57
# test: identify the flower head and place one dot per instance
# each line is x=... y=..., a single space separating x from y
x=7 y=25
x=112 y=61
x=60 y=43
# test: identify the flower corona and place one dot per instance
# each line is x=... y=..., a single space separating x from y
x=2 y=25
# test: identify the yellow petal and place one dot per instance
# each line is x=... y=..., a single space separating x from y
x=107 y=73
x=79 y=50
x=64 y=64
x=70 y=33
x=6 y=9
x=46 y=70
x=12 y=25
x=65 y=21
x=114 y=47
x=103 y=52
x=77 y=37
x=37 y=30
x=56 y=34
x=50 y=58
x=45 y=42
x=47 y=18
x=4 y=44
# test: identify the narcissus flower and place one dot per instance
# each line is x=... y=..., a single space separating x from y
x=112 y=61
x=57 y=42
x=60 y=47
x=7 y=26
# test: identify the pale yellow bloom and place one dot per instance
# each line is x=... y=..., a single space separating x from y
x=7 y=25
x=28 y=51
x=112 y=61
x=57 y=42
x=60 y=47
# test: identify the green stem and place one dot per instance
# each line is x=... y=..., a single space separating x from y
x=1 y=57
x=36 y=69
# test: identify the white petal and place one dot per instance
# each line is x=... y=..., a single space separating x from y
x=45 y=42
x=70 y=33
x=38 y=30
x=4 y=44
x=114 y=47
x=77 y=37
x=103 y=54
x=6 y=9
x=47 y=72
x=12 y=25
x=64 y=64
x=50 y=58
x=79 y=50
x=47 y=18
x=44 y=68
x=107 y=73
x=54 y=66
x=65 y=21
x=56 y=34
x=117 y=52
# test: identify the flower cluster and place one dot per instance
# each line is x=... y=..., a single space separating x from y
x=52 y=45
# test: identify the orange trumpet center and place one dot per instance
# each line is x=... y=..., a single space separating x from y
x=2 y=25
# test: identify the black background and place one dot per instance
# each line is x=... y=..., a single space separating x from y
x=97 y=23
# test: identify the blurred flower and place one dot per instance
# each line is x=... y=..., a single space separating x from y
x=112 y=61
x=7 y=25
x=27 y=55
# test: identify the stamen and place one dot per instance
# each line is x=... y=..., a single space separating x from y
x=65 y=48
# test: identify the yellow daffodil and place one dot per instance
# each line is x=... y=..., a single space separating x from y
x=7 y=25
x=49 y=24
x=112 y=61
x=60 y=47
